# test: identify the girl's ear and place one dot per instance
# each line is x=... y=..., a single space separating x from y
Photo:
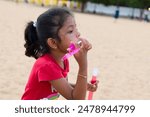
x=52 y=43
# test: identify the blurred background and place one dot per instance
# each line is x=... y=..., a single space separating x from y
x=134 y=9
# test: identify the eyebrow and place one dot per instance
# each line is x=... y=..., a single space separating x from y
x=71 y=26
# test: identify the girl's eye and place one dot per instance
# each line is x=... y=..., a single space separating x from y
x=70 y=31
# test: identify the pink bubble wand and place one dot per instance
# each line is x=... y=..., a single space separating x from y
x=93 y=80
x=71 y=51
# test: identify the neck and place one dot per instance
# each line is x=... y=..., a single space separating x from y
x=58 y=56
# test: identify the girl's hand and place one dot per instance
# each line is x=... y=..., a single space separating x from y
x=81 y=56
x=85 y=44
x=92 y=87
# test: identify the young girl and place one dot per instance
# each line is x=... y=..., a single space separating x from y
x=47 y=41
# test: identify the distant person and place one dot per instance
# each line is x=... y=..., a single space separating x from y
x=47 y=41
x=146 y=18
x=116 y=16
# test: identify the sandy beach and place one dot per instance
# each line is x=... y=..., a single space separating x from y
x=121 y=52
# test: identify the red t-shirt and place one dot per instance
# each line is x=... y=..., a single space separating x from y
x=44 y=70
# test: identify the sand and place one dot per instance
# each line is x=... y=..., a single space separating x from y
x=121 y=52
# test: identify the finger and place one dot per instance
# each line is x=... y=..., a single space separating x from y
x=81 y=43
x=93 y=89
x=78 y=44
x=97 y=82
x=87 y=44
x=89 y=47
x=90 y=89
x=96 y=86
x=84 y=42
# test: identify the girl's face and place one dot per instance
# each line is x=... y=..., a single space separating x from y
x=68 y=33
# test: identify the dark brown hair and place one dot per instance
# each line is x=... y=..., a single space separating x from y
x=47 y=26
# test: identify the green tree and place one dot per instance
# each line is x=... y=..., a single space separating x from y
x=106 y=2
x=134 y=4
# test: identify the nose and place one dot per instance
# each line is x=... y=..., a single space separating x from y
x=77 y=34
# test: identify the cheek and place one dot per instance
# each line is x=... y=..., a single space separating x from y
x=63 y=46
x=72 y=38
x=67 y=40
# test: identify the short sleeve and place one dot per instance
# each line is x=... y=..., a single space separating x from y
x=49 y=72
